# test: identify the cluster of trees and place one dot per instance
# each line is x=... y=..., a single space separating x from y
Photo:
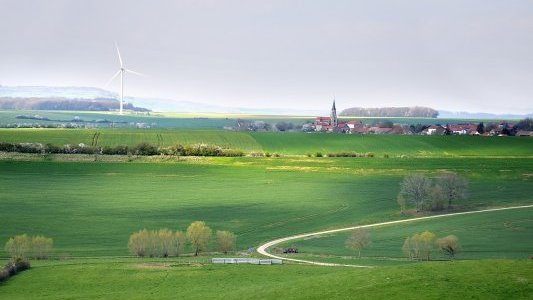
x=165 y=243
x=427 y=195
x=525 y=124
x=350 y=154
x=140 y=149
x=408 y=112
x=24 y=246
x=420 y=245
x=200 y=150
x=285 y=126
x=156 y=243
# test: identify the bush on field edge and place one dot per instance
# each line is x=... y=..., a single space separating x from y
x=143 y=149
x=13 y=267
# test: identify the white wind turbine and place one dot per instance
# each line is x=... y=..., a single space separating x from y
x=121 y=71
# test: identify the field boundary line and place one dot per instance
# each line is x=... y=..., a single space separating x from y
x=262 y=249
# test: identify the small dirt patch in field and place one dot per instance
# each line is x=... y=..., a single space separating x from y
x=154 y=266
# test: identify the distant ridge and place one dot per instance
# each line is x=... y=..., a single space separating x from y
x=91 y=98
x=60 y=98
x=402 y=112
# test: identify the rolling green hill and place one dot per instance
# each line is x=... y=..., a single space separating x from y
x=91 y=208
x=506 y=235
x=286 y=143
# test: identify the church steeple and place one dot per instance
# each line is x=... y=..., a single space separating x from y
x=334 y=120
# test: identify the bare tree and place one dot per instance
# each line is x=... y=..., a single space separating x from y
x=138 y=243
x=226 y=241
x=453 y=186
x=417 y=189
x=427 y=240
x=178 y=243
x=198 y=235
x=359 y=239
x=449 y=245
x=409 y=248
x=41 y=246
x=401 y=202
x=437 y=198
x=165 y=242
x=18 y=246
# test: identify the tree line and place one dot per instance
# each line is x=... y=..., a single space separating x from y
x=142 y=149
x=165 y=243
x=20 y=248
x=416 y=247
x=24 y=246
x=407 y=112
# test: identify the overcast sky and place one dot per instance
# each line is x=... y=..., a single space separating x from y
x=448 y=54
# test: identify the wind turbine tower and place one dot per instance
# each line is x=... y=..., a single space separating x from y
x=121 y=71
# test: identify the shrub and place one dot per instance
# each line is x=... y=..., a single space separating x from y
x=121 y=149
x=318 y=154
x=232 y=153
x=21 y=264
x=4 y=275
x=117 y=150
x=7 y=147
x=52 y=149
x=29 y=148
x=14 y=266
x=268 y=154
x=145 y=149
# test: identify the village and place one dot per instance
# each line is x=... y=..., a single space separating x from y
x=335 y=125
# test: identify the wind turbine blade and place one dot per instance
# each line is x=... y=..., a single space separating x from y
x=114 y=76
x=136 y=73
x=119 y=57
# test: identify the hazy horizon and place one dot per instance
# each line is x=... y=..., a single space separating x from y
x=452 y=55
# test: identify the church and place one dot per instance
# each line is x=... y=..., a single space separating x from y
x=331 y=123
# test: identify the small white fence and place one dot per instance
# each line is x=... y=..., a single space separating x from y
x=253 y=261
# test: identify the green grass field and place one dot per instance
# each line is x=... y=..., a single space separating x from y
x=130 y=279
x=507 y=235
x=91 y=207
x=197 y=120
x=285 y=143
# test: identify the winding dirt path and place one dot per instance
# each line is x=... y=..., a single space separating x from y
x=263 y=248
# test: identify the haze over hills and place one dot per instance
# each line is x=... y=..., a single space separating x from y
x=92 y=98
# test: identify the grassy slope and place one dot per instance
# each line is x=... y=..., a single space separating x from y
x=507 y=235
x=493 y=279
x=286 y=143
x=436 y=146
x=91 y=208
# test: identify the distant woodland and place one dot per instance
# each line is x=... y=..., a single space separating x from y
x=407 y=112
x=64 y=104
